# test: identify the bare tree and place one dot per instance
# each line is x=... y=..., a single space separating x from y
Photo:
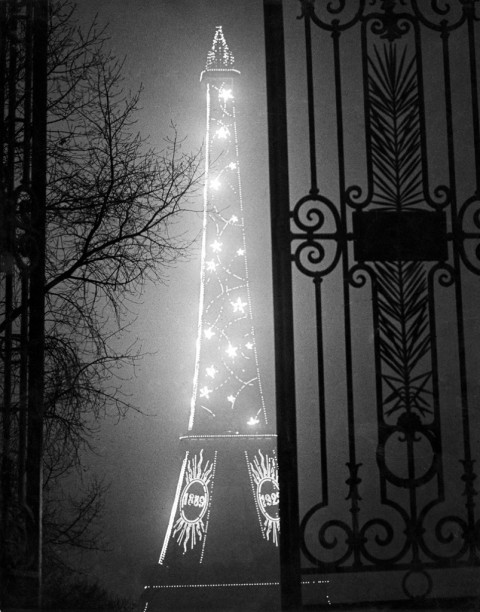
x=114 y=213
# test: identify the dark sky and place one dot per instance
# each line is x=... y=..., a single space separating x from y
x=166 y=45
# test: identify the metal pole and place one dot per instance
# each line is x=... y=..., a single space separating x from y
x=282 y=306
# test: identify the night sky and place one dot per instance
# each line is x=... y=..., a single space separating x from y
x=166 y=44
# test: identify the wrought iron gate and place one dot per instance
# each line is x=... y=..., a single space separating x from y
x=376 y=265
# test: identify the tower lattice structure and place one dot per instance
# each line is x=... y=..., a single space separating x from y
x=221 y=542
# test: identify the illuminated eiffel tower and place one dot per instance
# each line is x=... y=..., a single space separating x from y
x=221 y=545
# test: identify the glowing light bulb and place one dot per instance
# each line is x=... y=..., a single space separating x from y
x=231 y=351
x=232 y=166
x=253 y=421
x=222 y=132
x=211 y=266
x=238 y=306
x=241 y=252
x=216 y=246
x=249 y=346
x=233 y=219
x=209 y=333
x=215 y=184
x=225 y=94
x=205 y=392
x=211 y=371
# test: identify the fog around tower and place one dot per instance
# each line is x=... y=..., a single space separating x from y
x=166 y=46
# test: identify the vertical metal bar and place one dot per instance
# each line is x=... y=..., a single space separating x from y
x=321 y=389
x=282 y=305
x=468 y=462
x=37 y=284
x=474 y=92
x=353 y=480
x=311 y=106
x=437 y=425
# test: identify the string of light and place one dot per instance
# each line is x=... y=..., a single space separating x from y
x=228 y=584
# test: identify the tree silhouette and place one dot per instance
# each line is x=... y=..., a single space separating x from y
x=114 y=212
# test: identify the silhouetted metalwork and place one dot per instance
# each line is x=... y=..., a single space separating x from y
x=413 y=246
x=284 y=362
x=23 y=91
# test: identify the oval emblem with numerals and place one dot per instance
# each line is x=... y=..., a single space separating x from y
x=268 y=497
x=194 y=501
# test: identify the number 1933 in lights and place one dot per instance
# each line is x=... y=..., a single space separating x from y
x=264 y=474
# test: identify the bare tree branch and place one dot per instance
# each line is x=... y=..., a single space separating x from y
x=114 y=212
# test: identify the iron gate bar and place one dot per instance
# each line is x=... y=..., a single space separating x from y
x=470 y=11
x=282 y=306
x=313 y=193
x=406 y=375
x=468 y=475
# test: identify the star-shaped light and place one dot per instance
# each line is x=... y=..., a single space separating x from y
x=209 y=333
x=249 y=346
x=211 y=265
x=231 y=351
x=233 y=219
x=238 y=306
x=253 y=421
x=216 y=246
x=205 y=392
x=231 y=399
x=225 y=94
x=232 y=166
x=215 y=184
x=222 y=132
x=241 y=252
x=211 y=371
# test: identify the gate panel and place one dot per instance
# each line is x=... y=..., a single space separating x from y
x=385 y=252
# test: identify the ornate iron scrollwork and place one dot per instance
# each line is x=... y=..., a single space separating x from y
x=310 y=215
x=405 y=242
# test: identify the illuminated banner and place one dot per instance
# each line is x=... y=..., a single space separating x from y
x=195 y=497
x=263 y=472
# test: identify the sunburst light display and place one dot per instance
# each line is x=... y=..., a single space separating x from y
x=263 y=471
x=191 y=525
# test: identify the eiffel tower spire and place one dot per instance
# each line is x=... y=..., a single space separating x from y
x=222 y=538
x=227 y=391
x=219 y=57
